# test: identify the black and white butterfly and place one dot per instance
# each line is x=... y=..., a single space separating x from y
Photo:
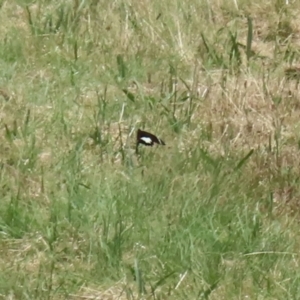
x=147 y=138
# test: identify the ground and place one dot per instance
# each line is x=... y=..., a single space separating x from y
x=211 y=215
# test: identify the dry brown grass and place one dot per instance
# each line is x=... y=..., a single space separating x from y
x=252 y=106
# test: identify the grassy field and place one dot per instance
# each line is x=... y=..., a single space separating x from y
x=214 y=214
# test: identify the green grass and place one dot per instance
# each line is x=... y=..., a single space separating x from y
x=211 y=215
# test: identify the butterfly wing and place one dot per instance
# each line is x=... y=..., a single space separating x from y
x=148 y=139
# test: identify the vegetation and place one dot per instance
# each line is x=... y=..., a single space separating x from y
x=211 y=215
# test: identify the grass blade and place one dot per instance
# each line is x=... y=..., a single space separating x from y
x=121 y=66
x=243 y=160
x=129 y=95
x=139 y=279
x=249 y=38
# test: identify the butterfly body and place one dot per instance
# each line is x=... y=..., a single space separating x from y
x=147 y=139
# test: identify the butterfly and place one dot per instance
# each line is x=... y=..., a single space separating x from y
x=147 y=138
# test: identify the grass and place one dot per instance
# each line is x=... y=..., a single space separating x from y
x=213 y=214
